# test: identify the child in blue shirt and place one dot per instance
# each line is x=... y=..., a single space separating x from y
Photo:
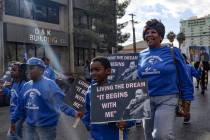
x=100 y=68
x=40 y=103
x=192 y=72
x=18 y=74
x=48 y=72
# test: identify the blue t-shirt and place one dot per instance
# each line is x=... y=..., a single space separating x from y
x=14 y=93
x=156 y=65
x=41 y=102
x=106 y=131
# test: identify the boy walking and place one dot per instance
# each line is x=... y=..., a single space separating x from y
x=40 y=103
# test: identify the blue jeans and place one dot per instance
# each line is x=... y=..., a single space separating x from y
x=19 y=131
x=19 y=127
x=161 y=124
x=40 y=133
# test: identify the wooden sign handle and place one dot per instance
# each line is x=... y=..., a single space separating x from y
x=120 y=134
x=76 y=122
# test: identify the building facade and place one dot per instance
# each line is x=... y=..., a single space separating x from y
x=35 y=28
x=90 y=39
x=45 y=28
x=197 y=34
x=83 y=48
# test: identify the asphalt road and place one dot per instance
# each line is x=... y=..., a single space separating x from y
x=199 y=129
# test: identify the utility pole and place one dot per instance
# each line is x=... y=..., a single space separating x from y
x=134 y=36
x=70 y=30
x=1 y=38
x=114 y=47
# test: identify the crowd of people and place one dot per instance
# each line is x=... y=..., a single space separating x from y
x=37 y=100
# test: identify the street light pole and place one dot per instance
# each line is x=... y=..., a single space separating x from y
x=70 y=30
x=134 y=36
x=1 y=39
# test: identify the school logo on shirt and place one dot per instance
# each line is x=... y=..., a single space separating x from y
x=148 y=65
x=32 y=99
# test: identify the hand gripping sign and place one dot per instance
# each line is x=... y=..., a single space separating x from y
x=120 y=101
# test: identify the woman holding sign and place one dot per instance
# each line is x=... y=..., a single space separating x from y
x=100 y=68
x=156 y=65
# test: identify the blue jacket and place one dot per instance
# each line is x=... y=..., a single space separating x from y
x=41 y=102
x=107 y=131
x=49 y=72
x=14 y=93
x=156 y=65
x=192 y=72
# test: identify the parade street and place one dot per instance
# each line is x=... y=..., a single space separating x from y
x=199 y=129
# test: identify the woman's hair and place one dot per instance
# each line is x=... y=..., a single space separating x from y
x=154 y=24
x=185 y=58
x=22 y=70
x=103 y=60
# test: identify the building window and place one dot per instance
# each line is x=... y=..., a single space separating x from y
x=82 y=55
x=37 y=10
x=40 y=12
x=53 y=14
x=14 y=9
x=26 y=9
x=80 y=18
x=10 y=52
x=76 y=58
x=40 y=52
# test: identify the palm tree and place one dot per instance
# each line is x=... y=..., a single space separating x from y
x=180 y=38
x=171 y=36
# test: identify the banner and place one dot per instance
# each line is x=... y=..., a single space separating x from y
x=126 y=100
x=199 y=53
x=124 y=66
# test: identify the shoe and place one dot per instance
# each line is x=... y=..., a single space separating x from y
x=202 y=92
x=186 y=121
x=197 y=87
x=139 y=123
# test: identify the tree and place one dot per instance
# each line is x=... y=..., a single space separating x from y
x=121 y=37
x=171 y=36
x=180 y=38
x=104 y=14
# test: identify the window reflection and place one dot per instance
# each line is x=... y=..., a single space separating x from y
x=38 y=10
x=26 y=9
x=12 y=10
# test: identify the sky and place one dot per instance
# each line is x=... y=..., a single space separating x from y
x=170 y=12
